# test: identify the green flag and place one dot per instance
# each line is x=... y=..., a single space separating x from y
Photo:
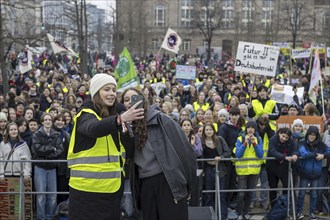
x=125 y=72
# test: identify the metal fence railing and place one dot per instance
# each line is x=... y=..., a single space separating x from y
x=291 y=189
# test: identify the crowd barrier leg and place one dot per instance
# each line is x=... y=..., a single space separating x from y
x=217 y=192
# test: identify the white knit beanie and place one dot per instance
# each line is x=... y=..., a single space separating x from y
x=223 y=112
x=3 y=117
x=297 y=122
x=100 y=80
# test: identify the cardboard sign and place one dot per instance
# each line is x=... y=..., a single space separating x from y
x=285 y=93
x=185 y=72
x=256 y=58
x=286 y=122
x=9 y=203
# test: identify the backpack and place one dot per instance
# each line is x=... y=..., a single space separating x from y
x=280 y=209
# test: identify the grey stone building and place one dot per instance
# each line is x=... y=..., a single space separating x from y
x=141 y=24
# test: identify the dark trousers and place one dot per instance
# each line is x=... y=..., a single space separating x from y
x=244 y=198
x=273 y=179
x=98 y=206
x=157 y=200
x=209 y=184
x=231 y=183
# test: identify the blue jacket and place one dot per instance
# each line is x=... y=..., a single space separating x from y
x=309 y=167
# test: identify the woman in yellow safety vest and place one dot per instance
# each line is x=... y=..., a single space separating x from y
x=96 y=152
x=248 y=145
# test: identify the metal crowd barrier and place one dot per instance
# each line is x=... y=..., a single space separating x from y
x=217 y=190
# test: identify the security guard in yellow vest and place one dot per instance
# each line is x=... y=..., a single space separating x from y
x=248 y=145
x=264 y=107
x=97 y=153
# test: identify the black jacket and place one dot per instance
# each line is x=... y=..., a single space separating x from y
x=46 y=147
x=89 y=128
x=280 y=151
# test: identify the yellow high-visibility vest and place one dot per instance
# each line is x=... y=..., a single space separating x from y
x=247 y=167
x=97 y=169
x=267 y=109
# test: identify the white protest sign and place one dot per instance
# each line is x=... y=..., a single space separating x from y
x=185 y=72
x=284 y=94
x=298 y=53
x=158 y=87
x=328 y=52
x=256 y=58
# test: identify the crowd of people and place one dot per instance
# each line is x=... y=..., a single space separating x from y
x=221 y=114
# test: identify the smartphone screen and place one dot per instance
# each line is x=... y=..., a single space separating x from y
x=137 y=98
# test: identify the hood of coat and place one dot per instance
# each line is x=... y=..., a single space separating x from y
x=311 y=130
x=153 y=111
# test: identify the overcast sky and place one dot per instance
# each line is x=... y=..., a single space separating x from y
x=105 y=4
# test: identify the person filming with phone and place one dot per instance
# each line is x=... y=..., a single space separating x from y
x=97 y=152
x=163 y=169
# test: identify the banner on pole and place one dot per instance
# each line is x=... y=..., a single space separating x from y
x=125 y=72
x=299 y=53
x=256 y=58
x=59 y=47
x=25 y=59
x=172 y=41
x=315 y=79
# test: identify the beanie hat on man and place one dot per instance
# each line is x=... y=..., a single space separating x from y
x=297 y=122
x=100 y=80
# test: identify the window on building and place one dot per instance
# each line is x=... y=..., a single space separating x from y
x=160 y=16
x=247 y=12
x=267 y=13
x=155 y=44
x=295 y=16
x=207 y=12
x=187 y=13
x=205 y=43
x=326 y=20
x=228 y=7
x=186 y=45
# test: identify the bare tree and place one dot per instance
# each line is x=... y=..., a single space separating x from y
x=298 y=18
x=8 y=37
x=208 y=20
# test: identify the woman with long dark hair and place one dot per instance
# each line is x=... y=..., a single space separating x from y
x=164 y=165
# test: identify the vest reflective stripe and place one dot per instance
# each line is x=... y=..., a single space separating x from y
x=99 y=168
x=96 y=175
x=267 y=109
x=92 y=160
x=247 y=167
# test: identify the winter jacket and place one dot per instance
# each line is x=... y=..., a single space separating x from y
x=309 y=167
x=63 y=169
x=174 y=153
x=230 y=133
x=280 y=150
x=46 y=147
x=20 y=152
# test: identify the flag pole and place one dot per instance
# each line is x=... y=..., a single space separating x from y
x=310 y=61
x=322 y=96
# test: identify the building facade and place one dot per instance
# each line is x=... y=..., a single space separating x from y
x=141 y=25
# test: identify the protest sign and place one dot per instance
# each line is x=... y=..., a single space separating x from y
x=328 y=52
x=284 y=94
x=299 y=53
x=287 y=121
x=9 y=203
x=158 y=87
x=185 y=72
x=256 y=58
